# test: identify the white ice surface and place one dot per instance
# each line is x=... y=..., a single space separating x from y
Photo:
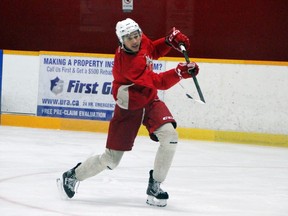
x=206 y=178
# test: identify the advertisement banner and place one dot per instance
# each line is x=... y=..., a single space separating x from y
x=77 y=87
x=1 y=63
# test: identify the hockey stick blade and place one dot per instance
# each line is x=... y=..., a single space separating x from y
x=184 y=51
x=188 y=95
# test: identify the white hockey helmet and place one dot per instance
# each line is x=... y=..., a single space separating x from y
x=126 y=27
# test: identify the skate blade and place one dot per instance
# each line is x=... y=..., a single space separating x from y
x=156 y=202
x=62 y=193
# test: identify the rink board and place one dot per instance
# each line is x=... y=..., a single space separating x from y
x=247 y=117
x=184 y=133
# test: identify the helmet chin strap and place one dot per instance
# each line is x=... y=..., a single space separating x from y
x=129 y=51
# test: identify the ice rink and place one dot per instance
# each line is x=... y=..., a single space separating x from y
x=206 y=178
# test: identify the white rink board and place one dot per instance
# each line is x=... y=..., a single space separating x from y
x=20 y=83
x=240 y=97
x=246 y=98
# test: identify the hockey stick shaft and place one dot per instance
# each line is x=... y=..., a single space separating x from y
x=184 y=51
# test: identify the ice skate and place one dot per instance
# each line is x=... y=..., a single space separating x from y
x=67 y=184
x=156 y=196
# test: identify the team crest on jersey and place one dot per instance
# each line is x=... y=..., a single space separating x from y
x=149 y=62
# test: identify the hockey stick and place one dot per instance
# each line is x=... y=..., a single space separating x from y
x=184 y=51
x=188 y=95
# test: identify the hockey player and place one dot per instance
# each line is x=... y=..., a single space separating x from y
x=135 y=88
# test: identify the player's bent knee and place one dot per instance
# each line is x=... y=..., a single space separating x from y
x=111 y=158
x=173 y=137
x=167 y=134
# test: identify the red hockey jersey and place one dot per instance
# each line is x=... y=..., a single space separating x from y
x=135 y=84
